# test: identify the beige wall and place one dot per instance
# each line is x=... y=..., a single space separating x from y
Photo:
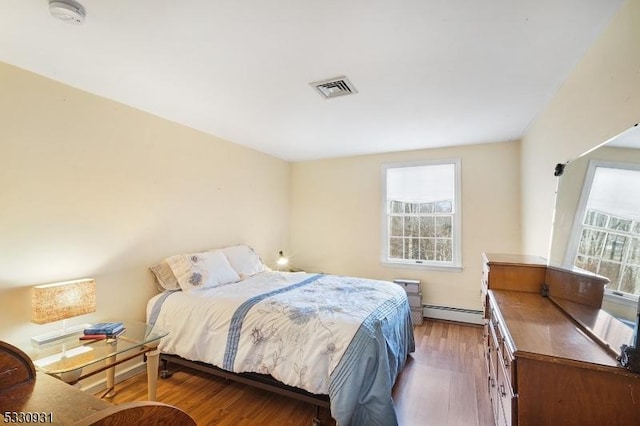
x=92 y=188
x=599 y=99
x=336 y=217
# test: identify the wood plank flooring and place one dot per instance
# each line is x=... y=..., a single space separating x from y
x=442 y=384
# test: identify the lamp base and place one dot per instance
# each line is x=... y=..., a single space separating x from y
x=43 y=339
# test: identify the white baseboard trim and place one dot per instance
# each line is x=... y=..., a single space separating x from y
x=101 y=385
x=452 y=314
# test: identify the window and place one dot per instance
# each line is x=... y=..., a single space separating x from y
x=421 y=214
x=608 y=226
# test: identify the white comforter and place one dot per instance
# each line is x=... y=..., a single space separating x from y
x=297 y=335
x=344 y=337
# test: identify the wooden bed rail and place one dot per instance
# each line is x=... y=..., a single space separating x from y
x=260 y=381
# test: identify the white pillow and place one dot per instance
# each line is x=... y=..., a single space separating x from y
x=244 y=260
x=202 y=270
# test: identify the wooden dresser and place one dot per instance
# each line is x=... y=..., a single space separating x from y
x=552 y=360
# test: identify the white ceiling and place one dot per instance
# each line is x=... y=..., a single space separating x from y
x=429 y=73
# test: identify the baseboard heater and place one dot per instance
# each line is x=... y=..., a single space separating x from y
x=452 y=314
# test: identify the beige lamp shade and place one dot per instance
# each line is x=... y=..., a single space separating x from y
x=58 y=301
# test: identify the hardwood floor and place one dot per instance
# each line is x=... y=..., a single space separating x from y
x=444 y=381
x=442 y=384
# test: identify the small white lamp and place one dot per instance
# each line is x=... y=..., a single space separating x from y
x=282 y=260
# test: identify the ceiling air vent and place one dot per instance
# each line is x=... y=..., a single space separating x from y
x=334 y=87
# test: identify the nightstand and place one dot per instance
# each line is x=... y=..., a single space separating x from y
x=414 y=295
x=71 y=359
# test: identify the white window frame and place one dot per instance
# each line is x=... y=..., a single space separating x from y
x=576 y=230
x=456 y=263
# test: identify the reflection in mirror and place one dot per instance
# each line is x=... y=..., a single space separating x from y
x=597 y=221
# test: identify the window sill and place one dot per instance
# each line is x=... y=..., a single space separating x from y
x=423 y=266
x=621 y=298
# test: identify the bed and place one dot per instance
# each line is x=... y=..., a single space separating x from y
x=342 y=339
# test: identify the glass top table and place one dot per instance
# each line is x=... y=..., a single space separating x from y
x=72 y=359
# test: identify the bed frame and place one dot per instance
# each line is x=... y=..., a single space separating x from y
x=261 y=381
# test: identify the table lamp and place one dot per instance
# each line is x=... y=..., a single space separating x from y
x=282 y=260
x=60 y=301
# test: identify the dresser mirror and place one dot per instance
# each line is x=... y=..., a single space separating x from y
x=596 y=227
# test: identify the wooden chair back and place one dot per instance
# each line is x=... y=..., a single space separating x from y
x=15 y=367
x=141 y=413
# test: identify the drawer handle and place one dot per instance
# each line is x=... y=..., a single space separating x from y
x=503 y=392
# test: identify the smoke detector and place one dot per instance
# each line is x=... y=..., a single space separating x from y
x=334 y=87
x=67 y=10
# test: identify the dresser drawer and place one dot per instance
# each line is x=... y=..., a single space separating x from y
x=415 y=300
x=416 y=316
x=505 y=394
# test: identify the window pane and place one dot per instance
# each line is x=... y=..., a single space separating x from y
x=427 y=207
x=412 y=248
x=423 y=249
x=411 y=208
x=397 y=207
x=634 y=254
x=611 y=270
x=445 y=206
x=396 y=226
x=591 y=242
x=395 y=248
x=620 y=224
x=443 y=226
x=614 y=247
x=411 y=226
x=587 y=263
x=427 y=226
x=428 y=248
x=636 y=228
x=596 y=219
x=443 y=250
x=631 y=280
